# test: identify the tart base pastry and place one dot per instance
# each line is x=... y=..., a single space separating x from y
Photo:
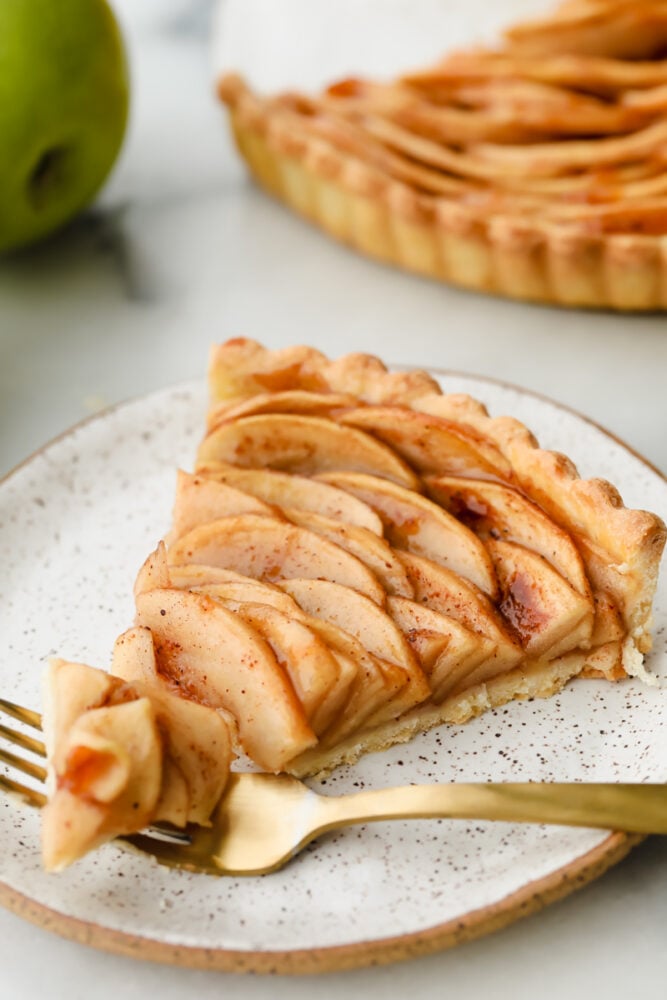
x=356 y=558
x=535 y=170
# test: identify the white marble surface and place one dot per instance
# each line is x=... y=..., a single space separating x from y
x=181 y=251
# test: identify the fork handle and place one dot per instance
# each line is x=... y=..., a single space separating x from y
x=633 y=808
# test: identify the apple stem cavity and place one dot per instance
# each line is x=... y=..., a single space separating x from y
x=45 y=175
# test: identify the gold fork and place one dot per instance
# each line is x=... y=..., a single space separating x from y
x=263 y=820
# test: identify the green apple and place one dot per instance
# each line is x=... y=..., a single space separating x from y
x=63 y=111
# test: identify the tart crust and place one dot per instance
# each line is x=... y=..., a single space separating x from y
x=539 y=680
x=594 y=249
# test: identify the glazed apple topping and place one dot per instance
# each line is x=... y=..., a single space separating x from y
x=357 y=551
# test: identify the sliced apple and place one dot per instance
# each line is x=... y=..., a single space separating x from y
x=374 y=629
x=446 y=649
x=494 y=510
x=548 y=615
x=416 y=524
x=70 y=689
x=303 y=656
x=340 y=697
x=433 y=445
x=233 y=588
x=288 y=401
x=221 y=661
x=374 y=685
x=374 y=552
x=197 y=745
x=256 y=598
x=263 y=548
x=304 y=445
x=226 y=585
x=355 y=614
x=236 y=595
x=284 y=490
x=199 y=500
x=608 y=624
x=154 y=572
x=105 y=753
x=189 y=575
x=440 y=589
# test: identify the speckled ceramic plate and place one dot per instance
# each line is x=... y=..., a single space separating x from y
x=76 y=521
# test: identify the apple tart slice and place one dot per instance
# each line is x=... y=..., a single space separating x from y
x=359 y=556
x=535 y=169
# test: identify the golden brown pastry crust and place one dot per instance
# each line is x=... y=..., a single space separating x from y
x=241 y=368
x=621 y=547
x=537 y=680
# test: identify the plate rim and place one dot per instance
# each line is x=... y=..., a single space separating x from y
x=530 y=898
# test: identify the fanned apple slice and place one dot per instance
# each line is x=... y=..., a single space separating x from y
x=548 y=615
x=221 y=661
x=259 y=596
x=199 y=500
x=374 y=552
x=214 y=580
x=284 y=490
x=236 y=594
x=196 y=740
x=440 y=589
x=621 y=547
x=494 y=510
x=288 y=401
x=263 y=548
x=368 y=623
x=374 y=687
x=354 y=613
x=154 y=572
x=305 y=445
x=188 y=576
x=448 y=649
x=308 y=663
x=430 y=444
x=416 y=524
x=607 y=624
x=340 y=697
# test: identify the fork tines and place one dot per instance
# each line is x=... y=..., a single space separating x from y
x=25 y=717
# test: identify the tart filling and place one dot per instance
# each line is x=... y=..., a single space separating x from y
x=534 y=170
x=357 y=557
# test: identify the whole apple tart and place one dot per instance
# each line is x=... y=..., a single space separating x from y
x=535 y=170
x=357 y=557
